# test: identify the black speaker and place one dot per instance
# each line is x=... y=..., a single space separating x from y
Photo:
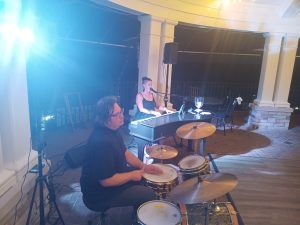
x=74 y=157
x=170 y=53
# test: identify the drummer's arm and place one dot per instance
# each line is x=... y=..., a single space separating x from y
x=135 y=162
x=122 y=178
x=132 y=160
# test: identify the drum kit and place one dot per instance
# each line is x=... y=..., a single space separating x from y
x=196 y=132
x=196 y=186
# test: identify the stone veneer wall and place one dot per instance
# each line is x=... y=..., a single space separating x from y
x=267 y=117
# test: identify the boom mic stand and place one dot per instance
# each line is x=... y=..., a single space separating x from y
x=184 y=99
x=167 y=87
x=41 y=179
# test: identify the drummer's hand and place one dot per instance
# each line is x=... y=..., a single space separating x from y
x=152 y=169
x=136 y=175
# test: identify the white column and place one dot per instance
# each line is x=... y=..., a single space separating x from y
x=14 y=128
x=150 y=47
x=285 y=71
x=1 y=155
x=269 y=70
x=167 y=35
x=14 y=116
x=7 y=178
x=272 y=110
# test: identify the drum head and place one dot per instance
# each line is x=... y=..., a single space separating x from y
x=191 y=162
x=169 y=174
x=159 y=212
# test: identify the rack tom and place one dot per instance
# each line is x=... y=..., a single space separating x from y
x=193 y=165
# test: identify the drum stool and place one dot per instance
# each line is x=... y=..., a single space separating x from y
x=101 y=215
x=100 y=219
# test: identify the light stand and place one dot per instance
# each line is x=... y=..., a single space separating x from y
x=40 y=180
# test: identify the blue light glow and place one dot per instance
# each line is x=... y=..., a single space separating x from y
x=12 y=33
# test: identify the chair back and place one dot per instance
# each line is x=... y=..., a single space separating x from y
x=230 y=107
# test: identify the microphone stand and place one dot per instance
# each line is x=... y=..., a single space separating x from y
x=167 y=87
x=184 y=99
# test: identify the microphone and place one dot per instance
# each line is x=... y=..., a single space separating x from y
x=151 y=89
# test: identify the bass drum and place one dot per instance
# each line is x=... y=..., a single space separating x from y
x=194 y=214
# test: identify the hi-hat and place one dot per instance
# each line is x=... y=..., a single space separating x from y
x=195 y=130
x=161 y=152
x=209 y=187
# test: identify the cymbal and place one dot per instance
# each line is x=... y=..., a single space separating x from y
x=196 y=130
x=161 y=152
x=212 y=186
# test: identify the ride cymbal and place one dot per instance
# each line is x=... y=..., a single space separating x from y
x=196 y=130
x=161 y=152
x=209 y=187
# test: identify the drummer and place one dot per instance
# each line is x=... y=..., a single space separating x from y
x=106 y=180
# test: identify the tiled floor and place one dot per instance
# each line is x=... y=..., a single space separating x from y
x=257 y=144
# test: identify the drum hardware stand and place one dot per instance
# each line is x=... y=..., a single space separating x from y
x=215 y=207
x=40 y=180
x=207 y=206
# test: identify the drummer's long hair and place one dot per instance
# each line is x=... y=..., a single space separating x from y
x=104 y=109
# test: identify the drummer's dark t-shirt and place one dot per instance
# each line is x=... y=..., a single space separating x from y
x=105 y=156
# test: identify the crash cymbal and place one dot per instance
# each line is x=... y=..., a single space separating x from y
x=211 y=186
x=196 y=130
x=161 y=152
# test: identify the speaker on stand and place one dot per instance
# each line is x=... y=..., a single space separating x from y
x=170 y=57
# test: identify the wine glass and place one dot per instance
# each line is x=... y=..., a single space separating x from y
x=199 y=103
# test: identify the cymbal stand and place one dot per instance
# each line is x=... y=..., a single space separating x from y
x=161 y=153
x=206 y=214
x=201 y=146
x=207 y=205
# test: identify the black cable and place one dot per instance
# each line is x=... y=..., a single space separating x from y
x=52 y=189
x=25 y=175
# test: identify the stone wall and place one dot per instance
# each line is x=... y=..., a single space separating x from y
x=266 y=117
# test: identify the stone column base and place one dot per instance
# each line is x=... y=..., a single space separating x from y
x=268 y=117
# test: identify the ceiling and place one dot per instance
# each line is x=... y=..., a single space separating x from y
x=281 y=16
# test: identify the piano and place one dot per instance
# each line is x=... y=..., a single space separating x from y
x=155 y=128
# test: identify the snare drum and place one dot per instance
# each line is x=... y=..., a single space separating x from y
x=162 y=183
x=193 y=165
x=158 y=212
